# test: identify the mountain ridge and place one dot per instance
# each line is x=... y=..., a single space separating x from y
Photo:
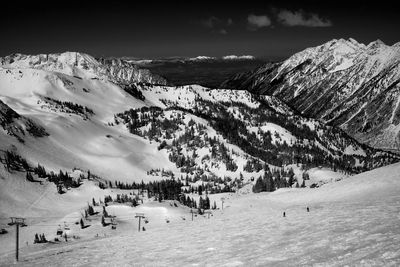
x=342 y=82
x=78 y=64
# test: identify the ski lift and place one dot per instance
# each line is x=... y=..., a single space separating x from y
x=12 y=222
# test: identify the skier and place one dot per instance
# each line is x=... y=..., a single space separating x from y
x=284 y=214
x=308 y=209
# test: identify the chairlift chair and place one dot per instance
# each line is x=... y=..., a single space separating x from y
x=12 y=222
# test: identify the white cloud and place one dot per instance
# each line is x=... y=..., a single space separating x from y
x=301 y=18
x=255 y=22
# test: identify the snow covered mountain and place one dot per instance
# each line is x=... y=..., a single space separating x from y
x=95 y=114
x=90 y=109
x=84 y=66
x=91 y=124
x=145 y=62
x=344 y=83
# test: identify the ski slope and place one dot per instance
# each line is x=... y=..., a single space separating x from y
x=351 y=222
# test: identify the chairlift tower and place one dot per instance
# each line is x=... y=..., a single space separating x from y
x=140 y=216
x=17 y=221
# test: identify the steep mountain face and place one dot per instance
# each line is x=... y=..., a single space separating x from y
x=344 y=83
x=125 y=72
x=84 y=66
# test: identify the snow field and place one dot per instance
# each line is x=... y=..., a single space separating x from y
x=351 y=222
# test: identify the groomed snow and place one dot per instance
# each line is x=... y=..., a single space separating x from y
x=351 y=222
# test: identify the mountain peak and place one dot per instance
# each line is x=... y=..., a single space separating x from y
x=353 y=41
x=376 y=44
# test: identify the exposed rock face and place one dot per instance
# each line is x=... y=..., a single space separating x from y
x=125 y=72
x=342 y=82
x=17 y=125
x=80 y=64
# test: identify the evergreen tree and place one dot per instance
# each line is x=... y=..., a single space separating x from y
x=207 y=203
x=90 y=210
x=200 y=190
x=36 y=240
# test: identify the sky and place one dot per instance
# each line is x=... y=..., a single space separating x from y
x=158 y=29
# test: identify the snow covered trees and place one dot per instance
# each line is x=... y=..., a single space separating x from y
x=14 y=162
x=62 y=179
x=204 y=203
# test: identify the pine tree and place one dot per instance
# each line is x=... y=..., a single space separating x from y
x=90 y=210
x=271 y=184
x=207 y=203
x=36 y=240
x=29 y=177
x=201 y=203
x=200 y=190
x=82 y=224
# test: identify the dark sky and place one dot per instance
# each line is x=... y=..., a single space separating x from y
x=151 y=29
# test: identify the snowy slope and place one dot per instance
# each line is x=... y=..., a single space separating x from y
x=74 y=140
x=352 y=222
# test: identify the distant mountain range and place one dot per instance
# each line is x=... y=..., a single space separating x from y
x=342 y=82
x=143 y=62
